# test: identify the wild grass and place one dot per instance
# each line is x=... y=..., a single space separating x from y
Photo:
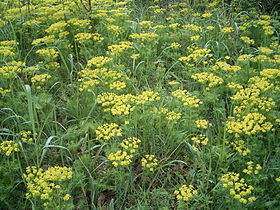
x=138 y=105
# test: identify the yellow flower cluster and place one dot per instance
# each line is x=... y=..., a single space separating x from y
x=173 y=115
x=58 y=28
x=270 y=73
x=225 y=66
x=130 y=144
x=249 y=125
x=175 y=45
x=7 y=48
x=145 y=23
x=149 y=162
x=26 y=136
x=185 y=192
x=251 y=100
x=46 y=39
x=261 y=58
x=227 y=30
x=117 y=85
x=251 y=169
x=84 y=37
x=134 y=56
x=197 y=56
x=44 y=184
x=200 y=139
x=173 y=83
x=144 y=37
x=146 y=96
x=265 y=50
x=4 y=91
x=210 y=28
x=49 y=53
x=99 y=61
x=234 y=85
x=8 y=147
x=40 y=79
x=237 y=187
x=185 y=97
x=118 y=49
x=92 y=78
x=168 y=115
x=80 y=23
x=278 y=179
x=247 y=40
x=118 y=104
x=174 y=25
x=244 y=57
x=202 y=124
x=52 y=65
x=11 y=68
x=238 y=145
x=116 y=30
x=108 y=131
x=120 y=158
x=205 y=77
x=261 y=83
x=195 y=38
x=206 y=15
x=265 y=22
x=125 y=103
x=193 y=27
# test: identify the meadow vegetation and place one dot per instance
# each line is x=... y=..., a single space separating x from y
x=128 y=104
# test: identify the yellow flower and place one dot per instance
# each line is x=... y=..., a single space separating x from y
x=185 y=97
x=265 y=50
x=108 y=131
x=237 y=187
x=173 y=83
x=144 y=36
x=4 y=91
x=238 y=145
x=200 y=139
x=130 y=144
x=202 y=124
x=247 y=40
x=50 y=53
x=8 y=147
x=185 y=192
x=26 y=136
x=209 y=78
x=120 y=158
x=40 y=79
x=249 y=125
x=44 y=183
x=175 y=45
x=149 y=162
x=227 y=30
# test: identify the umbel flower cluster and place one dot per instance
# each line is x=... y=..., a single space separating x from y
x=186 y=192
x=237 y=187
x=239 y=146
x=8 y=147
x=124 y=156
x=149 y=162
x=47 y=184
x=108 y=131
x=250 y=124
x=130 y=148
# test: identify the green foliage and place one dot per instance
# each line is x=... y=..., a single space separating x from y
x=139 y=104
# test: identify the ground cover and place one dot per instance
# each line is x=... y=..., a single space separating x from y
x=138 y=105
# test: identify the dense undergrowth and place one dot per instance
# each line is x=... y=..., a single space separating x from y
x=138 y=105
